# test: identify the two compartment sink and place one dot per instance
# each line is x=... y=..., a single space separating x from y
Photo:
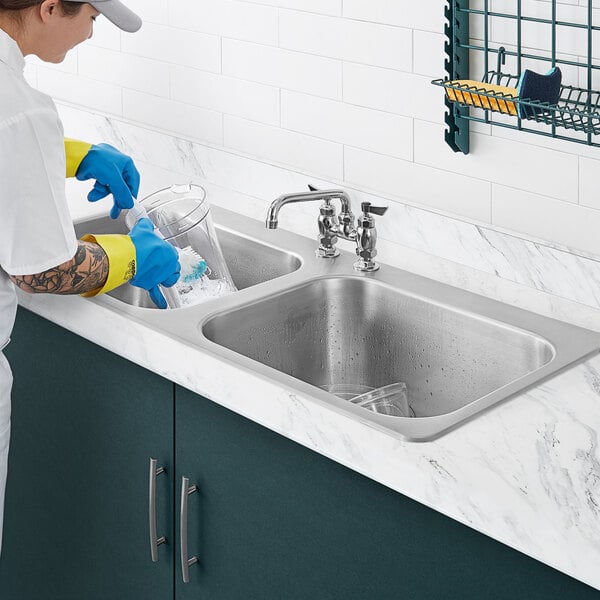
x=309 y=323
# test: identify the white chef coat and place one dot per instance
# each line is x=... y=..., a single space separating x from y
x=36 y=231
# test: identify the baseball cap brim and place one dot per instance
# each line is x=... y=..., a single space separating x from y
x=118 y=14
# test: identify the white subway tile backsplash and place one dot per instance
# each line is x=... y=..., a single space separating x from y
x=153 y=11
x=351 y=125
x=393 y=91
x=183 y=120
x=554 y=144
x=232 y=96
x=88 y=93
x=407 y=181
x=125 y=70
x=546 y=218
x=539 y=170
x=589 y=188
x=324 y=7
x=428 y=54
x=182 y=47
x=227 y=18
x=105 y=35
x=277 y=145
x=283 y=68
x=427 y=15
x=346 y=39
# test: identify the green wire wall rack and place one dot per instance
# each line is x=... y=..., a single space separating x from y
x=576 y=115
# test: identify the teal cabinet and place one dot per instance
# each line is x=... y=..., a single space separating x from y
x=85 y=423
x=267 y=519
x=273 y=520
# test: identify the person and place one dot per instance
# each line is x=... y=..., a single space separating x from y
x=39 y=252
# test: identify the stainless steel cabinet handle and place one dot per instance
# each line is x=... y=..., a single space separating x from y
x=154 y=541
x=186 y=490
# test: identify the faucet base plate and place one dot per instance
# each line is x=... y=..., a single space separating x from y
x=366 y=265
x=322 y=252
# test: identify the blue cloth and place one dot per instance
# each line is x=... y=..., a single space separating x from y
x=115 y=174
x=157 y=262
x=539 y=88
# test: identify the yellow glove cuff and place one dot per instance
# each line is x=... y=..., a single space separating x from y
x=75 y=152
x=121 y=260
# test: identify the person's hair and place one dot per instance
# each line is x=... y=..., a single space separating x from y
x=68 y=8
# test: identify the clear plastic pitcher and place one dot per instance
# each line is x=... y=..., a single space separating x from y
x=390 y=400
x=182 y=215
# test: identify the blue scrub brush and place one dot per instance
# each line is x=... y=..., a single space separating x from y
x=194 y=285
x=193 y=266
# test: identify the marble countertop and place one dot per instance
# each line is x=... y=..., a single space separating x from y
x=526 y=472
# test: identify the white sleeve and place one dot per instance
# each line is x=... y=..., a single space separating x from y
x=36 y=230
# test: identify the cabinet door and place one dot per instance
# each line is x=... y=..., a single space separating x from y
x=274 y=520
x=85 y=424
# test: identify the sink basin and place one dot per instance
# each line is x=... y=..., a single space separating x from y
x=313 y=325
x=457 y=355
x=250 y=261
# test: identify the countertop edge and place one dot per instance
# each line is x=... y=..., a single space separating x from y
x=314 y=426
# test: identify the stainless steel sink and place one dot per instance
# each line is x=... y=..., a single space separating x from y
x=250 y=261
x=457 y=352
x=358 y=332
x=313 y=323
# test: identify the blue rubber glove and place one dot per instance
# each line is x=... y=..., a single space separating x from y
x=157 y=262
x=114 y=173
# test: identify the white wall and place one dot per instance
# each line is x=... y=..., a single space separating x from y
x=336 y=89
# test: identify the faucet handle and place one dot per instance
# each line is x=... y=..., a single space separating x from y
x=367 y=208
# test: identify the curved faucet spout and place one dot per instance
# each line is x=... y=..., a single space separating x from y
x=333 y=226
x=272 y=220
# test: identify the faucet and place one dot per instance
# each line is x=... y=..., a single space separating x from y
x=333 y=226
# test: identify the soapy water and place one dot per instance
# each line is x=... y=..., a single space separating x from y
x=195 y=285
x=202 y=289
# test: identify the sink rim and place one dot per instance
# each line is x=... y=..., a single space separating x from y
x=187 y=325
x=565 y=354
x=366 y=280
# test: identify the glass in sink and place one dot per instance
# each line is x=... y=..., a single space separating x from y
x=457 y=356
x=250 y=262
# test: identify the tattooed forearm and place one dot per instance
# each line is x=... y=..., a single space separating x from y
x=85 y=272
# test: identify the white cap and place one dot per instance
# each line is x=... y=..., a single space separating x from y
x=117 y=13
